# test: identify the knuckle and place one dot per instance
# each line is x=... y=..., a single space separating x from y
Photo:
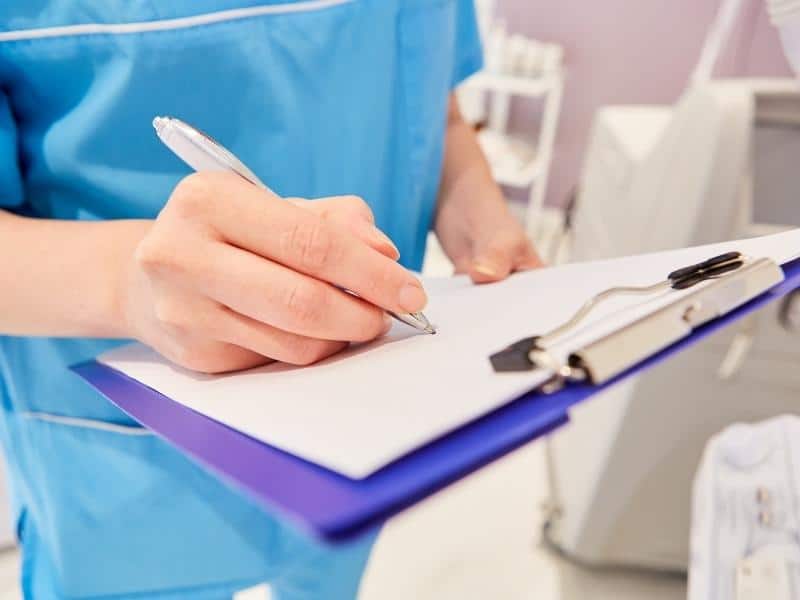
x=382 y=282
x=167 y=313
x=371 y=326
x=195 y=359
x=503 y=246
x=305 y=302
x=311 y=243
x=152 y=255
x=503 y=242
x=360 y=206
x=304 y=352
x=191 y=196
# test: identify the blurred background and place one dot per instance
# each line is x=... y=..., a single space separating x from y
x=618 y=52
x=619 y=128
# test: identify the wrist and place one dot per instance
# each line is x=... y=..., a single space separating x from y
x=119 y=297
x=472 y=206
x=67 y=277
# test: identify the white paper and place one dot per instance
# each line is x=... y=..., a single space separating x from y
x=370 y=405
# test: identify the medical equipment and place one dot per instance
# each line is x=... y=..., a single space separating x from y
x=656 y=178
x=745 y=520
x=785 y=15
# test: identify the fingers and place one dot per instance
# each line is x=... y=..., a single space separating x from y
x=199 y=334
x=255 y=220
x=462 y=266
x=501 y=255
x=528 y=259
x=355 y=215
x=275 y=343
x=241 y=344
x=494 y=259
x=253 y=338
x=351 y=207
x=182 y=329
x=239 y=277
x=369 y=234
x=267 y=292
x=212 y=357
x=288 y=300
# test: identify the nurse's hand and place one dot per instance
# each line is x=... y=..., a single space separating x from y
x=482 y=238
x=473 y=223
x=230 y=276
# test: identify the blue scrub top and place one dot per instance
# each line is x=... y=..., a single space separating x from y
x=319 y=98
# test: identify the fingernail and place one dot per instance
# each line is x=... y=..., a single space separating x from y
x=412 y=298
x=382 y=238
x=485 y=269
x=387 y=324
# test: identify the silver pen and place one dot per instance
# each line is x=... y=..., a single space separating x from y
x=202 y=153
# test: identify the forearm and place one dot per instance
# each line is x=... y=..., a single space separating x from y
x=465 y=167
x=62 y=278
x=473 y=222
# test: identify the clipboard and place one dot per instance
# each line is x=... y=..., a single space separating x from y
x=337 y=509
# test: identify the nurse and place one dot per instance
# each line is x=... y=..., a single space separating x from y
x=345 y=107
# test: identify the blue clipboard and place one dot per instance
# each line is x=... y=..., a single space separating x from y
x=335 y=508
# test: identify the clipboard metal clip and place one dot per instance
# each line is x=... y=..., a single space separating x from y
x=733 y=280
x=528 y=354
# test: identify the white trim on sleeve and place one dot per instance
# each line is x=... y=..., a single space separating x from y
x=169 y=24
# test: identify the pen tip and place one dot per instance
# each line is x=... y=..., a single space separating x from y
x=424 y=324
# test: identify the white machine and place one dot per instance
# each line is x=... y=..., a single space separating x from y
x=657 y=178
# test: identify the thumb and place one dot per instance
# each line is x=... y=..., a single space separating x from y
x=493 y=261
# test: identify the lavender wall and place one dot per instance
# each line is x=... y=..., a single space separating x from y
x=628 y=52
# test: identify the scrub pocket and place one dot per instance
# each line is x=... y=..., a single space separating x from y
x=121 y=511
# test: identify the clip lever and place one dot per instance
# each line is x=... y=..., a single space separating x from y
x=687 y=277
x=526 y=355
x=611 y=354
x=517 y=357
